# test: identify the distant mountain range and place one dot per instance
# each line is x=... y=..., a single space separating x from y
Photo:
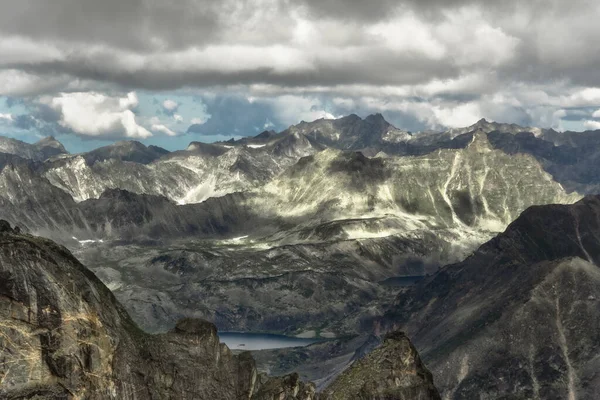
x=207 y=170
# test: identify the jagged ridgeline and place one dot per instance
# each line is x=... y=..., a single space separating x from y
x=460 y=185
x=63 y=335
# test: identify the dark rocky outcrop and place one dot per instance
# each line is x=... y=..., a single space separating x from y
x=127 y=150
x=393 y=371
x=287 y=387
x=63 y=335
x=519 y=318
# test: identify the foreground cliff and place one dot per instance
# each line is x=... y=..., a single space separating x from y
x=63 y=335
x=392 y=371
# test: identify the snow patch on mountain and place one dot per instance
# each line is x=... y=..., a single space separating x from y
x=88 y=241
x=201 y=192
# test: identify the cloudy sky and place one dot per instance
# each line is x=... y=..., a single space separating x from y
x=167 y=73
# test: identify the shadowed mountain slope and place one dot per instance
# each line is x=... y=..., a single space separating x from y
x=520 y=315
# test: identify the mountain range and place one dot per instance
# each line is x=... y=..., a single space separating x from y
x=344 y=229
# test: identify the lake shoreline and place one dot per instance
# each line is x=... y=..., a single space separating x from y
x=252 y=341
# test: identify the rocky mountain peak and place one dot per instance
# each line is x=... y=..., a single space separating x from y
x=377 y=117
x=128 y=144
x=392 y=371
x=379 y=124
x=207 y=149
x=50 y=141
x=352 y=117
x=40 y=151
x=5 y=227
x=482 y=125
x=197 y=327
x=266 y=135
x=531 y=319
x=125 y=150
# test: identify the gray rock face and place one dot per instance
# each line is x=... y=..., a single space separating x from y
x=571 y=157
x=63 y=335
x=286 y=387
x=125 y=151
x=392 y=371
x=206 y=170
x=332 y=227
x=519 y=318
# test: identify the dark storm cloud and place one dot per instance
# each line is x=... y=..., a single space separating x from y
x=169 y=45
x=41 y=118
x=353 y=9
x=25 y=122
x=377 y=10
x=377 y=66
x=578 y=114
x=428 y=62
x=131 y=24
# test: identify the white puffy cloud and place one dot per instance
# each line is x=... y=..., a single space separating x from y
x=6 y=117
x=596 y=114
x=458 y=116
x=584 y=97
x=408 y=34
x=98 y=115
x=290 y=109
x=162 y=129
x=198 y=121
x=170 y=105
x=268 y=125
x=590 y=124
x=178 y=118
x=471 y=40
